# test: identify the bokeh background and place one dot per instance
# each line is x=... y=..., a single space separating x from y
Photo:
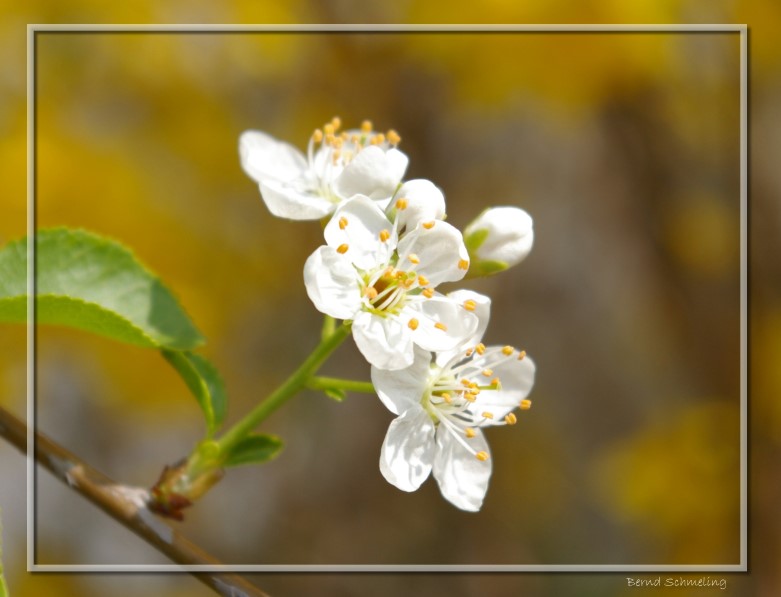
x=625 y=150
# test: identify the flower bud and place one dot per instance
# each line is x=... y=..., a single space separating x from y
x=497 y=239
x=416 y=201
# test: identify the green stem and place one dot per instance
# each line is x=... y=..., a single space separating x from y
x=334 y=383
x=287 y=390
x=329 y=325
x=3 y=586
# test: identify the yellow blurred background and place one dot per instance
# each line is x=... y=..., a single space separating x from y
x=623 y=147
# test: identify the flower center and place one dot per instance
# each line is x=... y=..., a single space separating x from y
x=385 y=291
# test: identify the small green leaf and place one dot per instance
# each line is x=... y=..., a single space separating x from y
x=204 y=381
x=335 y=394
x=94 y=284
x=479 y=269
x=254 y=448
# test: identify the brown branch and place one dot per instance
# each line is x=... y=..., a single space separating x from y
x=126 y=505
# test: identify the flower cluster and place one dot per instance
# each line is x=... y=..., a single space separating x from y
x=387 y=249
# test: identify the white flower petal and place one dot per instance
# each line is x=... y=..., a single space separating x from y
x=482 y=310
x=265 y=158
x=462 y=478
x=402 y=389
x=372 y=172
x=332 y=284
x=358 y=224
x=286 y=200
x=456 y=324
x=408 y=450
x=517 y=379
x=425 y=202
x=440 y=249
x=506 y=234
x=384 y=341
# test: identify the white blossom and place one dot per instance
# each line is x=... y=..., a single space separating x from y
x=443 y=401
x=336 y=167
x=499 y=238
x=385 y=283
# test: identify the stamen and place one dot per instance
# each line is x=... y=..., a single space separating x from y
x=523 y=354
x=378 y=139
x=317 y=136
x=393 y=137
x=470 y=305
x=412 y=324
x=463 y=264
x=422 y=280
x=440 y=326
x=482 y=455
x=428 y=292
x=447 y=397
x=366 y=126
x=488 y=415
x=413 y=258
x=470 y=433
x=466 y=382
x=428 y=225
x=488 y=372
x=336 y=122
x=470 y=396
x=511 y=419
x=526 y=404
x=384 y=235
x=329 y=138
x=480 y=348
x=342 y=223
x=342 y=248
x=508 y=350
x=470 y=352
x=371 y=293
x=335 y=157
x=495 y=381
x=329 y=129
x=401 y=203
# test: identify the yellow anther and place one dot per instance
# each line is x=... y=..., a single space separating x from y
x=342 y=248
x=480 y=348
x=428 y=225
x=336 y=122
x=317 y=136
x=412 y=324
x=463 y=264
x=366 y=126
x=329 y=129
x=407 y=283
x=428 y=292
x=345 y=136
x=329 y=138
x=495 y=381
x=488 y=372
x=447 y=397
x=466 y=382
x=413 y=258
x=422 y=280
x=470 y=305
x=474 y=386
x=470 y=397
x=482 y=455
x=335 y=156
x=393 y=137
x=469 y=432
x=511 y=419
x=508 y=350
x=371 y=292
x=470 y=351
x=356 y=139
x=521 y=355
x=399 y=274
x=440 y=326
x=342 y=223
x=526 y=404
x=384 y=235
x=401 y=203
x=488 y=415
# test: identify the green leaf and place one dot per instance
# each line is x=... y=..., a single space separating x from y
x=204 y=381
x=255 y=448
x=475 y=240
x=335 y=394
x=94 y=284
x=479 y=269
